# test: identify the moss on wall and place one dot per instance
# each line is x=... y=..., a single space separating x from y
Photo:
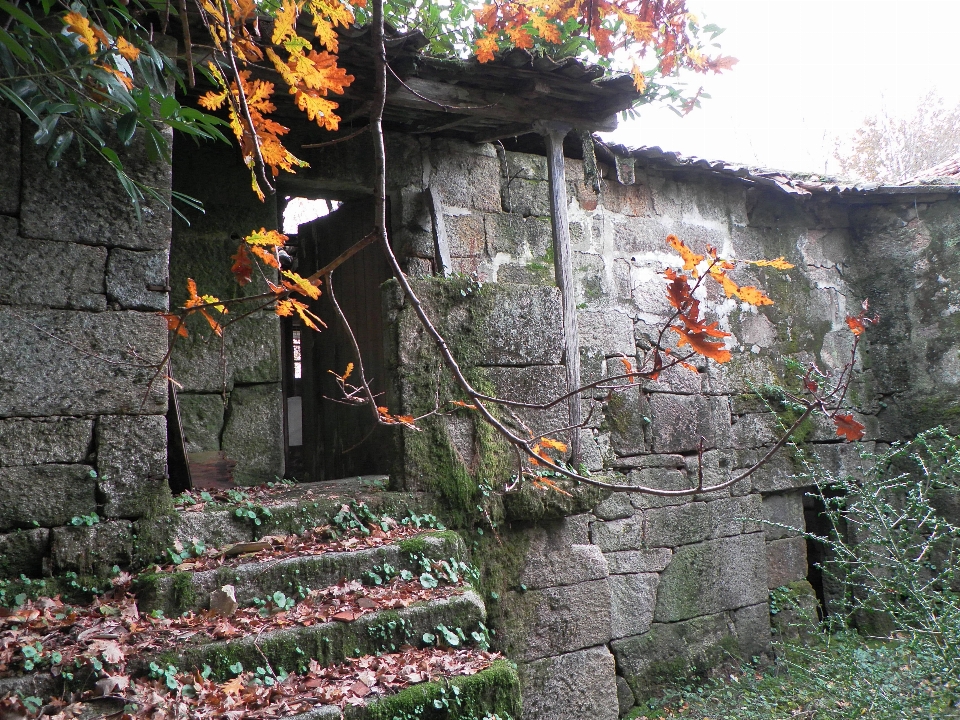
x=432 y=458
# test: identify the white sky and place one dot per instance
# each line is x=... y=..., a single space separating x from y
x=809 y=72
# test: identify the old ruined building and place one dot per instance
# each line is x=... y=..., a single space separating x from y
x=599 y=599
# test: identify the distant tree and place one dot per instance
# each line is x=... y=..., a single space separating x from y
x=891 y=149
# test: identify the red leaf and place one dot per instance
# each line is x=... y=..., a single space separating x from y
x=848 y=427
x=856 y=325
x=242 y=267
x=811 y=385
x=346 y=616
x=657 y=366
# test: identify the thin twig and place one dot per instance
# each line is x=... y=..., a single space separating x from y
x=187 y=44
x=356 y=348
x=351 y=136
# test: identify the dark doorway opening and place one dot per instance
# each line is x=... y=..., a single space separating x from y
x=328 y=437
x=829 y=589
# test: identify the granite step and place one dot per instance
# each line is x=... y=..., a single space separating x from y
x=249 y=514
x=177 y=591
x=328 y=643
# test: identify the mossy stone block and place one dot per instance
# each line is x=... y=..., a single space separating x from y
x=35 y=441
x=201 y=417
x=253 y=433
x=712 y=576
x=45 y=495
x=572 y=686
x=22 y=552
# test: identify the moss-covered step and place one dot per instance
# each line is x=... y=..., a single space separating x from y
x=329 y=643
x=282 y=510
x=494 y=692
x=174 y=593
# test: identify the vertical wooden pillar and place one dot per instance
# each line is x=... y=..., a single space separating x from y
x=554 y=133
x=441 y=246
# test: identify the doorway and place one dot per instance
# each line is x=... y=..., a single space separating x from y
x=338 y=438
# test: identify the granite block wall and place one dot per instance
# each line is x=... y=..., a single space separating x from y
x=641 y=590
x=82 y=427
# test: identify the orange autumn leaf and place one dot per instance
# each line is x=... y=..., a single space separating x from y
x=301 y=285
x=520 y=37
x=777 y=264
x=122 y=77
x=233 y=687
x=486 y=48
x=678 y=290
x=603 y=39
x=461 y=403
x=639 y=79
x=695 y=332
x=700 y=343
x=554 y=444
x=266 y=256
x=386 y=417
x=628 y=366
x=690 y=258
x=657 y=367
x=730 y=288
x=175 y=323
x=856 y=325
x=284 y=22
x=242 y=267
x=77 y=23
x=288 y=307
x=546 y=482
x=848 y=427
x=264 y=237
x=538 y=449
x=127 y=49
x=202 y=303
x=753 y=296
x=545 y=29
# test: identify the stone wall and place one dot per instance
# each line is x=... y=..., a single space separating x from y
x=82 y=429
x=230 y=395
x=638 y=590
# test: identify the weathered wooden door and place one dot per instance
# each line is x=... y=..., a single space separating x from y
x=341 y=439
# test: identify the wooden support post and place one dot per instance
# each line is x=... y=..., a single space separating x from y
x=554 y=133
x=441 y=246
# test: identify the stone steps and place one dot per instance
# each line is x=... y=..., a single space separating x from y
x=328 y=643
x=177 y=592
x=491 y=692
x=288 y=641
x=291 y=509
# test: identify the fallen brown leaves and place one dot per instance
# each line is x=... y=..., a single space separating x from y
x=102 y=636
x=279 y=547
x=255 y=695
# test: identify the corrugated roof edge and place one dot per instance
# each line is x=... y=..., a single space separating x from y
x=792 y=183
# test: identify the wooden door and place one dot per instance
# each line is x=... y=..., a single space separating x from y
x=339 y=439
